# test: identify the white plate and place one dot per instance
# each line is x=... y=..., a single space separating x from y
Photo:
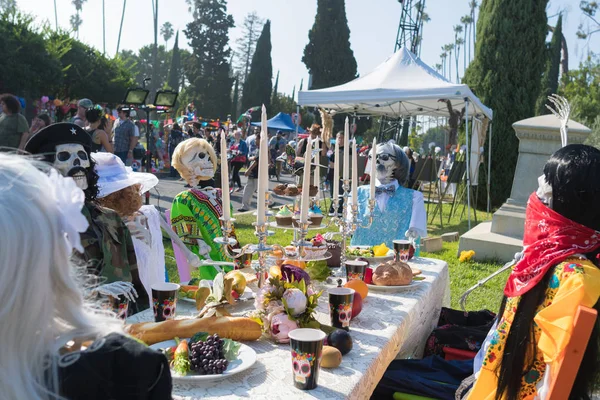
x=246 y=359
x=372 y=260
x=393 y=288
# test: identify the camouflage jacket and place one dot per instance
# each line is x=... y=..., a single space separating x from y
x=109 y=251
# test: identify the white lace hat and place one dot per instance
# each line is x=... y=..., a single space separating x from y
x=114 y=175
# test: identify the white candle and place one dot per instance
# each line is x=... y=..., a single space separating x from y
x=263 y=169
x=336 y=172
x=317 y=169
x=345 y=150
x=373 y=167
x=354 y=174
x=225 y=180
x=306 y=182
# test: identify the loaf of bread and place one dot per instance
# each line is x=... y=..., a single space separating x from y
x=236 y=328
x=392 y=273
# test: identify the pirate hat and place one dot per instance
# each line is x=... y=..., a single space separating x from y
x=46 y=140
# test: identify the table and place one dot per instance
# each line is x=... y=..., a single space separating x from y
x=391 y=325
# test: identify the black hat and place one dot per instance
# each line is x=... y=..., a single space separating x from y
x=46 y=140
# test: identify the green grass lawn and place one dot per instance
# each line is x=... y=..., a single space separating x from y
x=462 y=275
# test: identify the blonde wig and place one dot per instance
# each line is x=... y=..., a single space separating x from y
x=193 y=144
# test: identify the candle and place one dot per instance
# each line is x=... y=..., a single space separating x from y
x=263 y=170
x=225 y=180
x=345 y=150
x=317 y=168
x=373 y=167
x=306 y=182
x=336 y=172
x=354 y=173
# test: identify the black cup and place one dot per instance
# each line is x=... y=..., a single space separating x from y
x=164 y=300
x=119 y=305
x=307 y=346
x=340 y=307
x=355 y=269
x=401 y=250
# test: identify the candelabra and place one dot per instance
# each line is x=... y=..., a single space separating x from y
x=347 y=226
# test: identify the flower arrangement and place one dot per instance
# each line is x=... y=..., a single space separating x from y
x=466 y=256
x=283 y=305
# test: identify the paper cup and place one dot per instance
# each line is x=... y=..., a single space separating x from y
x=119 y=305
x=245 y=261
x=355 y=269
x=401 y=250
x=164 y=300
x=306 y=346
x=340 y=307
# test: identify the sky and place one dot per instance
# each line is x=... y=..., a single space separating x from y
x=373 y=27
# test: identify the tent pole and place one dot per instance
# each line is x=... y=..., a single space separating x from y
x=468 y=163
x=489 y=169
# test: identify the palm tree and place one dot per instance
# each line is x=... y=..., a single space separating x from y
x=457 y=43
x=103 y=28
x=55 y=15
x=466 y=21
x=449 y=48
x=121 y=27
x=438 y=68
x=443 y=57
x=76 y=20
x=473 y=5
x=167 y=32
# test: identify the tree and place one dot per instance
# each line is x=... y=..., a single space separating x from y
x=141 y=64
x=167 y=32
x=466 y=21
x=328 y=56
x=438 y=68
x=473 y=6
x=589 y=9
x=257 y=88
x=121 y=26
x=443 y=57
x=448 y=49
x=154 y=85
x=8 y=5
x=75 y=19
x=175 y=67
x=208 y=67
x=275 y=96
x=506 y=80
x=550 y=78
x=457 y=43
x=246 y=44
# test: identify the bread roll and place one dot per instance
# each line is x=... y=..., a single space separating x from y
x=236 y=328
x=392 y=273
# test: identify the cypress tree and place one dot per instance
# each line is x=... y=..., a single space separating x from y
x=236 y=99
x=175 y=70
x=208 y=69
x=257 y=88
x=550 y=78
x=328 y=56
x=506 y=74
x=275 y=97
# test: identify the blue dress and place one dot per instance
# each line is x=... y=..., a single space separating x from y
x=387 y=226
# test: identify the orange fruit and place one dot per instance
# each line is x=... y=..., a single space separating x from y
x=295 y=263
x=359 y=287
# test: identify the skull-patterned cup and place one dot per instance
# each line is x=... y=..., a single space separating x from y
x=340 y=307
x=355 y=269
x=164 y=300
x=402 y=250
x=307 y=348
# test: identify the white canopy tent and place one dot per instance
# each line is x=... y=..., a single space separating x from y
x=402 y=86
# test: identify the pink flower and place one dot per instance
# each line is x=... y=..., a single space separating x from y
x=274 y=306
x=281 y=326
x=295 y=300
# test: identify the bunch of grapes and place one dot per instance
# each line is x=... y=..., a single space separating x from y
x=207 y=357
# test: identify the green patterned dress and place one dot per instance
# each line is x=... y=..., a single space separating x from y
x=195 y=215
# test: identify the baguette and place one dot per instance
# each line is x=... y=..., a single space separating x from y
x=235 y=328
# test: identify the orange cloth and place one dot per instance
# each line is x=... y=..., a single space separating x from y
x=574 y=282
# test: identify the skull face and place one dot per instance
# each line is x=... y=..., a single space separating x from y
x=386 y=163
x=72 y=160
x=345 y=314
x=301 y=367
x=199 y=163
x=168 y=311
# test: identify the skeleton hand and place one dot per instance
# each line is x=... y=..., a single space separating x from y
x=138 y=228
x=193 y=260
x=116 y=289
x=562 y=111
x=203 y=248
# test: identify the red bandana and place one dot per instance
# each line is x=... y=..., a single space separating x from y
x=549 y=239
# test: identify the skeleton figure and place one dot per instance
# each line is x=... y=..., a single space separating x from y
x=195 y=213
x=392 y=164
x=72 y=160
x=453 y=122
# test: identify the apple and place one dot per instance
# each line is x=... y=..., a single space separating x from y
x=356 y=305
x=369 y=276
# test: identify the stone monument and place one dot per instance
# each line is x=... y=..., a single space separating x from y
x=539 y=138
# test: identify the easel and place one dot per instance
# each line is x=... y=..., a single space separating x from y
x=456 y=176
x=427 y=170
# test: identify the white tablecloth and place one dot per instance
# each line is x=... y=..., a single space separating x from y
x=391 y=325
